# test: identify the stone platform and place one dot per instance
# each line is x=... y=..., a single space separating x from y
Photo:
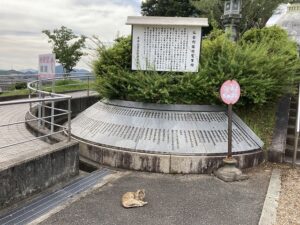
x=162 y=138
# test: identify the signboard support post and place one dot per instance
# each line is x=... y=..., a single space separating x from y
x=229 y=155
x=46 y=72
x=230 y=93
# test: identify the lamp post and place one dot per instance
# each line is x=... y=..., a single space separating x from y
x=232 y=17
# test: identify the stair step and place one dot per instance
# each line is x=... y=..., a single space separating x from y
x=293 y=112
x=292 y=119
x=290 y=160
x=289 y=151
x=291 y=129
x=293 y=105
x=290 y=139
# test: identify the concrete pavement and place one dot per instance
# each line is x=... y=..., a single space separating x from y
x=16 y=133
x=172 y=199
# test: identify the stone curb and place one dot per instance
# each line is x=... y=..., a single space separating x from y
x=269 y=211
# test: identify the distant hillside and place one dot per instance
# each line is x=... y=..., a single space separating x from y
x=58 y=70
x=9 y=72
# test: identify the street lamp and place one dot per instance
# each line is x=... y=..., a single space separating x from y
x=232 y=17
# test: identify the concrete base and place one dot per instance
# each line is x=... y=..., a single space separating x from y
x=229 y=172
x=38 y=171
x=162 y=163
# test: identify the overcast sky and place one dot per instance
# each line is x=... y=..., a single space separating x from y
x=21 y=23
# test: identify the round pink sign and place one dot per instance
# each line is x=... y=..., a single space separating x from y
x=230 y=92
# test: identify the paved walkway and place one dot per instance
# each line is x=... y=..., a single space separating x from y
x=172 y=200
x=16 y=133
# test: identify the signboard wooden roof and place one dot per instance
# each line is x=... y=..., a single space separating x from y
x=173 y=21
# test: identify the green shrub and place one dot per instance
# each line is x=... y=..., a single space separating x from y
x=112 y=60
x=20 y=85
x=264 y=62
x=66 y=82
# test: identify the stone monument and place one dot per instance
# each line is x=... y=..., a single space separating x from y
x=158 y=137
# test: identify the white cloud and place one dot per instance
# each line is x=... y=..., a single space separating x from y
x=21 y=23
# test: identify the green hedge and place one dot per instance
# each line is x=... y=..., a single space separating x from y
x=264 y=62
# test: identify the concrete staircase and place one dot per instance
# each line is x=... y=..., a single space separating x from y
x=289 y=151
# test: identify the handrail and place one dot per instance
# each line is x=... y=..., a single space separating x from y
x=44 y=97
x=15 y=102
x=297 y=129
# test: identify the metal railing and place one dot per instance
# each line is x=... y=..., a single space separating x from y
x=297 y=129
x=45 y=100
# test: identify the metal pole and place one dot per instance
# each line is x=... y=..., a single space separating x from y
x=30 y=104
x=53 y=84
x=43 y=114
x=297 y=128
x=295 y=148
x=88 y=90
x=52 y=116
x=52 y=105
x=39 y=104
x=69 y=119
x=229 y=155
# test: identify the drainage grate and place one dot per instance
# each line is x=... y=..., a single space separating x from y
x=44 y=204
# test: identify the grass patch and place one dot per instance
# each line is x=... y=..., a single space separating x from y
x=261 y=120
x=15 y=92
x=60 y=86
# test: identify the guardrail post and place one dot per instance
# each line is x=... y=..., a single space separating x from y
x=297 y=128
x=53 y=84
x=88 y=89
x=69 y=119
x=295 y=148
x=52 y=116
x=39 y=104
x=30 y=104
x=43 y=114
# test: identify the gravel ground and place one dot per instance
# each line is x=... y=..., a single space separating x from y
x=288 y=211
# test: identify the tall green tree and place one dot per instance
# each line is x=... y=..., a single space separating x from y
x=180 y=8
x=67 y=46
x=255 y=13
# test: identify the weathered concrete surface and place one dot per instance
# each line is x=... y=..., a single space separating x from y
x=125 y=160
x=277 y=148
x=162 y=163
x=30 y=153
x=37 y=171
x=172 y=199
x=269 y=212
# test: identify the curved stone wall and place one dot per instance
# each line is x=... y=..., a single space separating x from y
x=186 y=138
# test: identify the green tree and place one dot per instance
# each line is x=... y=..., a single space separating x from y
x=255 y=13
x=178 y=8
x=66 y=46
x=257 y=61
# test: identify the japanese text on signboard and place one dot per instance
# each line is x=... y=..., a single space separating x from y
x=46 y=66
x=166 y=48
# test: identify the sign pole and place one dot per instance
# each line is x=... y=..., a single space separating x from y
x=230 y=93
x=229 y=154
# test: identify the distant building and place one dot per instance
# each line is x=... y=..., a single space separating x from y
x=287 y=16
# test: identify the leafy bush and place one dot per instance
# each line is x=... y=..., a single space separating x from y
x=117 y=58
x=66 y=82
x=264 y=62
x=20 y=85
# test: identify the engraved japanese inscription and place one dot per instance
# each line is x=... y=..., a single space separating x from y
x=166 y=48
x=152 y=130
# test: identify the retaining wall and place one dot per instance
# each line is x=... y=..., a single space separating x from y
x=38 y=172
